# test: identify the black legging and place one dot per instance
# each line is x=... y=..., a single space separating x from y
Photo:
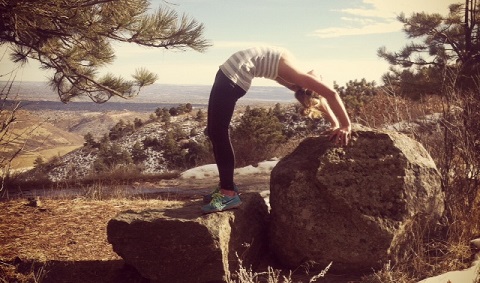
x=223 y=97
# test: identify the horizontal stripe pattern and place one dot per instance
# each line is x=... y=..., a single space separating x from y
x=251 y=63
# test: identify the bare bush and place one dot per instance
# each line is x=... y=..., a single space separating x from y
x=8 y=108
x=460 y=162
x=387 y=107
x=453 y=141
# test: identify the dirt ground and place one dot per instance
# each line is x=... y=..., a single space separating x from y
x=65 y=239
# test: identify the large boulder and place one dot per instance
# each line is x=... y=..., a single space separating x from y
x=351 y=205
x=182 y=245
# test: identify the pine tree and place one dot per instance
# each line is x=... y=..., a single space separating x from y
x=74 y=39
x=38 y=163
x=89 y=140
x=201 y=116
x=356 y=93
x=138 y=152
x=111 y=156
x=441 y=42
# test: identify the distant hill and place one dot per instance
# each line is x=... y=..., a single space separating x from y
x=158 y=94
x=94 y=107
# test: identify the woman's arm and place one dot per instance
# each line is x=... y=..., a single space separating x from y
x=288 y=72
x=329 y=115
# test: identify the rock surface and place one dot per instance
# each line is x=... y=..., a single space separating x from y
x=182 y=245
x=351 y=205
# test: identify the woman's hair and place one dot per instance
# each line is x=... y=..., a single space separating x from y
x=313 y=105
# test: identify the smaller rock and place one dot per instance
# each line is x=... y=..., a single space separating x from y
x=182 y=245
x=34 y=202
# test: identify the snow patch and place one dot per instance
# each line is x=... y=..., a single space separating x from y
x=211 y=170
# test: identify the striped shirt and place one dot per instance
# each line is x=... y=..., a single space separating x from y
x=247 y=64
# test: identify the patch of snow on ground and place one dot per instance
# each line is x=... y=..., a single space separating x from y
x=211 y=170
x=461 y=276
x=469 y=275
x=200 y=172
x=262 y=168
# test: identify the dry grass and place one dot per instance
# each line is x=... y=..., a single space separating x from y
x=384 y=109
x=272 y=275
x=59 y=230
x=67 y=230
x=26 y=159
x=37 y=137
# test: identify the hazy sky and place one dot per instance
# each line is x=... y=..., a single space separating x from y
x=338 y=39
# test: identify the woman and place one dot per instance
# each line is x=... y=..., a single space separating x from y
x=232 y=81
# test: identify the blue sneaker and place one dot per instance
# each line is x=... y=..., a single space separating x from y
x=208 y=198
x=220 y=202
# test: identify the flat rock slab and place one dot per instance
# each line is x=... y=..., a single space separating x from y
x=182 y=245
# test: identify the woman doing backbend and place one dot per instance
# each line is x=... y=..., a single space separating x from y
x=233 y=80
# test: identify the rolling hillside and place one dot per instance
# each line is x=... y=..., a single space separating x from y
x=49 y=133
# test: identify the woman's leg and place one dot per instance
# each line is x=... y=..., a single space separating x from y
x=221 y=105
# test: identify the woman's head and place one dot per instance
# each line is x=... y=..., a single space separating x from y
x=313 y=105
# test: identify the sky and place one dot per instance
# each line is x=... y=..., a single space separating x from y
x=338 y=39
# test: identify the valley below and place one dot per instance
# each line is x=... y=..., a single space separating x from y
x=54 y=133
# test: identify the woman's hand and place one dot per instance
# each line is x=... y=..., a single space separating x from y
x=341 y=136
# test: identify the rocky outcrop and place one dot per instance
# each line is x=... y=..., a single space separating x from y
x=182 y=245
x=351 y=205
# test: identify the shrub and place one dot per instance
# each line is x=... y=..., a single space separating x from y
x=90 y=141
x=200 y=116
x=174 y=111
x=38 y=163
x=151 y=142
x=137 y=122
x=356 y=93
x=198 y=153
x=111 y=156
x=258 y=133
x=138 y=153
x=172 y=152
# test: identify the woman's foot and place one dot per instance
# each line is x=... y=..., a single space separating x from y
x=208 y=198
x=222 y=202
